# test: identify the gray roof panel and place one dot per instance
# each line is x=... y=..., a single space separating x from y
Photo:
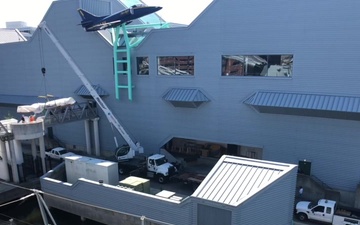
x=305 y=101
x=185 y=95
x=305 y=104
x=235 y=179
x=83 y=91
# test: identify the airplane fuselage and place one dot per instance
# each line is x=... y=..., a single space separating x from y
x=116 y=19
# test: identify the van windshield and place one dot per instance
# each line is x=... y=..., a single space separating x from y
x=62 y=152
x=160 y=161
x=311 y=205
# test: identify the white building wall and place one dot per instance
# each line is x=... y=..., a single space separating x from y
x=322 y=35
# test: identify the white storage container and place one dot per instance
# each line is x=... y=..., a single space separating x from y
x=91 y=168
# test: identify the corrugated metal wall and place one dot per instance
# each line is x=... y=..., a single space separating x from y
x=229 y=27
x=280 y=194
x=322 y=35
x=208 y=215
x=99 y=8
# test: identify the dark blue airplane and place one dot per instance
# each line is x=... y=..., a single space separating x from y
x=91 y=22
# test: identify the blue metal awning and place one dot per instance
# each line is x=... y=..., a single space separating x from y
x=20 y=99
x=186 y=97
x=305 y=104
x=84 y=92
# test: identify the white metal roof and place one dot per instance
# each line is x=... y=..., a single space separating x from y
x=235 y=179
x=10 y=35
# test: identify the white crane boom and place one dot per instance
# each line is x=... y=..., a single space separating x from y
x=113 y=121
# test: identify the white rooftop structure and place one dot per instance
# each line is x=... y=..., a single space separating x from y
x=233 y=180
x=11 y=35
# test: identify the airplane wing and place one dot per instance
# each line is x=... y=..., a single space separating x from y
x=102 y=26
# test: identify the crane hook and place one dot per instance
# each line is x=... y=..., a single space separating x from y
x=43 y=71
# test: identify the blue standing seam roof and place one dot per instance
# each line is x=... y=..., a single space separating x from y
x=334 y=103
x=185 y=95
x=83 y=91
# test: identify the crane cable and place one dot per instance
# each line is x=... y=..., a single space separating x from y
x=42 y=62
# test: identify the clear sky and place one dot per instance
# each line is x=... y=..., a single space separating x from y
x=32 y=11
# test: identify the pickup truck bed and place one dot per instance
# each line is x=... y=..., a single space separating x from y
x=349 y=212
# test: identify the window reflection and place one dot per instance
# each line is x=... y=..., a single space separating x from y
x=176 y=65
x=142 y=65
x=257 y=65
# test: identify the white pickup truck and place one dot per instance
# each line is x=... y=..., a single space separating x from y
x=327 y=211
x=58 y=153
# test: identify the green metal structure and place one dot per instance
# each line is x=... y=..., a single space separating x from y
x=126 y=37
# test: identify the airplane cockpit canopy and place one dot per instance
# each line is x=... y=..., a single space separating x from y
x=137 y=6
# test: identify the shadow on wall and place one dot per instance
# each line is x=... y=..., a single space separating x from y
x=314 y=189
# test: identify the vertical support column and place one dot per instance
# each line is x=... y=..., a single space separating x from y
x=4 y=162
x=19 y=158
x=14 y=170
x=96 y=136
x=116 y=69
x=42 y=153
x=87 y=136
x=33 y=153
x=18 y=152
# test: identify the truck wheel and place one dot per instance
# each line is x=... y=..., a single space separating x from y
x=302 y=216
x=121 y=171
x=161 y=179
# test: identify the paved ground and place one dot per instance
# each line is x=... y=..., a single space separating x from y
x=297 y=222
x=307 y=223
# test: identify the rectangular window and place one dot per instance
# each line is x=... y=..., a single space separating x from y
x=328 y=210
x=142 y=65
x=176 y=65
x=257 y=65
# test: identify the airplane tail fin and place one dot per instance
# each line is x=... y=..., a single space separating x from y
x=87 y=18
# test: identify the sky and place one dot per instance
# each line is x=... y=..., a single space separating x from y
x=32 y=11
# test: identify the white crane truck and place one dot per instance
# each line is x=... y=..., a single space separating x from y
x=327 y=211
x=155 y=166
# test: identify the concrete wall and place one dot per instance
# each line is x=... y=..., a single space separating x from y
x=315 y=190
x=108 y=203
x=97 y=213
x=112 y=198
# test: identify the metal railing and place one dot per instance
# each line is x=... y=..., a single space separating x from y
x=320 y=182
x=5 y=135
x=70 y=113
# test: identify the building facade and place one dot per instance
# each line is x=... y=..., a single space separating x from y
x=270 y=80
